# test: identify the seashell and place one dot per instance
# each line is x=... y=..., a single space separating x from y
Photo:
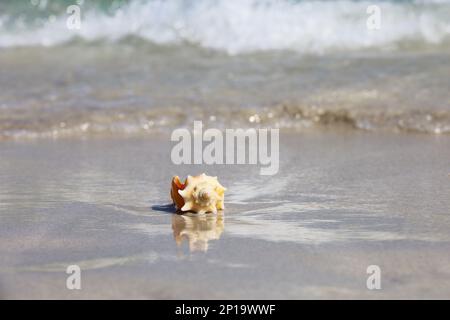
x=199 y=194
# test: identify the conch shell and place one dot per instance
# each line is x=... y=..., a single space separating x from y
x=198 y=194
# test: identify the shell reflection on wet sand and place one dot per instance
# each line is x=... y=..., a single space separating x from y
x=197 y=230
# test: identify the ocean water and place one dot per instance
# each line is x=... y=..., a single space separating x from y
x=139 y=67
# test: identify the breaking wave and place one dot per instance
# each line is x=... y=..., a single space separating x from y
x=237 y=26
x=122 y=121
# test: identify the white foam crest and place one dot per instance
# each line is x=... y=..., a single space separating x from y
x=243 y=26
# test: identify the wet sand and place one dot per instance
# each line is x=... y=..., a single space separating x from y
x=342 y=200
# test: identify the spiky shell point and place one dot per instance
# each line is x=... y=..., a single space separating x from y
x=200 y=194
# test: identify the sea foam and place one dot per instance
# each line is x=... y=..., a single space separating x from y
x=246 y=26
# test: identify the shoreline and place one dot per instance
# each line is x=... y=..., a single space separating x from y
x=342 y=200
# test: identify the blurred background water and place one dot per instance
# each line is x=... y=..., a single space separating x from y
x=136 y=67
